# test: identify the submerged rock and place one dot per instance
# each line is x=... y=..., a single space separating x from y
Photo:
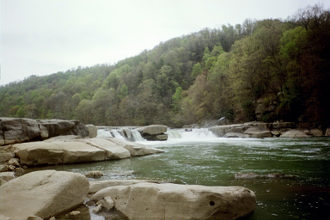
x=94 y=174
x=42 y=194
x=149 y=201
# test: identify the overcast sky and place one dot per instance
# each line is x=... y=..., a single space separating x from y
x=40 y=37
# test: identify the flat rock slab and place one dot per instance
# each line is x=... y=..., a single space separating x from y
x=73 y=150
x=149 y=201
x=57 y=152
x=42 y=193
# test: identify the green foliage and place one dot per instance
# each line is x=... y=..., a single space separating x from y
x=201 y=76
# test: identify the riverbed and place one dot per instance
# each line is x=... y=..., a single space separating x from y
x=299 y=190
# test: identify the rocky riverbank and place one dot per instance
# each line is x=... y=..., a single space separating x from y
x=262 y=130
x=49 y=194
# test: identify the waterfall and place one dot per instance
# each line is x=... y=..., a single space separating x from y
x=174 y=135
x=136 y=135
x=191 y=135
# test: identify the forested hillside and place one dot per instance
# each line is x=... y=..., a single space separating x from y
x=260 y=70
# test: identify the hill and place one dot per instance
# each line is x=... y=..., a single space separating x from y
x=261 y=70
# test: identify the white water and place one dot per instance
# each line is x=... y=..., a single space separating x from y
x=174 y=136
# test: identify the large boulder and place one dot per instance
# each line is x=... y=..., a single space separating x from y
x=222 y=130
x=256 y=132
x=57 y=127
x=69 y=149
x=154 y=132
x=57 y=152
x=42 y=194
x=148 y=201
x=316 y=132
x=18 y=130
x=294 y=133
x=153 y=129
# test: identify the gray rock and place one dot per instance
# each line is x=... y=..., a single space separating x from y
x=42 y=194
x=57 y=152
x=94 y=174
x=5 y=156
x=71 y=150
x=256 y=132
x=92 y=131
x=6 y=176
x=3 y=168
x=316 y=132
x=276 y=133
x=147 y=201
x=106 y=203
x=222 y=130
x=95 y=186
x=294 y=133
x=18 y=130
x=14 y=162
x=153 y=130
x=58 y=127
x=327 y=132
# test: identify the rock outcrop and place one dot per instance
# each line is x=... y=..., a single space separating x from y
x=72 y=150
x=42 y=194
x=149 y=201
x=154 y=132
x=18 y=130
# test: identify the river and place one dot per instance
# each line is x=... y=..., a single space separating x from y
x=301 y=191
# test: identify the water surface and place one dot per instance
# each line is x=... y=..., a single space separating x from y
x=198 y=157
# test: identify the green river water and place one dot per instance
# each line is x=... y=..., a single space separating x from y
x=215 y=161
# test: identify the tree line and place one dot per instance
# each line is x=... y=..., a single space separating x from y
x=260 y=70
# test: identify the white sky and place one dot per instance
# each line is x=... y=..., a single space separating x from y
x=46 y=36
